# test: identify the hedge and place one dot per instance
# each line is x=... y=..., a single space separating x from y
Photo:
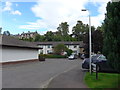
x=52 y=56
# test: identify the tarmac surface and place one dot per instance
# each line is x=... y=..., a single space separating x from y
x=70 y=79
x=42 y=74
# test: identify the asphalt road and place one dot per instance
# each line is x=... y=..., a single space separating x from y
x=35 y=74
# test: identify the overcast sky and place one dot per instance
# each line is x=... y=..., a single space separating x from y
x=46 y=15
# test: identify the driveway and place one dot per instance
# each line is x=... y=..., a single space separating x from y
x=35 y=74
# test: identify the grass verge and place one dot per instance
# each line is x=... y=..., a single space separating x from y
x=105 y=80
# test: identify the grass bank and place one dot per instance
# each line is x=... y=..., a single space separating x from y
x=105 y=80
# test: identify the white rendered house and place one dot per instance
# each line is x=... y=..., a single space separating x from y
x=77 y=47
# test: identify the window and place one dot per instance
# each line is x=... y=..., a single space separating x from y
x=75 y=46
x=49 y=46
x=102 y=57
x=49 y=51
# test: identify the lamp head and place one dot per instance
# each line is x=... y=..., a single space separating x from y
x=84 y=10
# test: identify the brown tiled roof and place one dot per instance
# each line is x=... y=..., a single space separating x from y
x=14 y=42
x=80 y=43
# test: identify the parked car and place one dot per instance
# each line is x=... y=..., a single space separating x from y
x=101 y=62
x=82 y=56
x=72 y=57
x=85 y=63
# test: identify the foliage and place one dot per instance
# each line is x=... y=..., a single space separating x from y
x=63 y=29
x=112 y=34
x=97 y=40
x=62 y=33
x=49 y=36
x=105 y=80
x=52 y=56
x=80 y=29
x=6 y=33
x=58 y=49
x=28 y=39
x=0 y=30
x=39 y=38
x=69 y=52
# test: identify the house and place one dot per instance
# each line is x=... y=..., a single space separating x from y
x=26 y=35
x=76 y=46
x=14 y=50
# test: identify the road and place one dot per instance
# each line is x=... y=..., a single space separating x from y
x=35 y=74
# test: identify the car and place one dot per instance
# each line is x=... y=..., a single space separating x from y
x=83 y=56
x=98 y=61
x=85 y=63
x=72 y=57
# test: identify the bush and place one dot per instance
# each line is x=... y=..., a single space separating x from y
x=69 y=52
x=58 y=49
x=52 y=56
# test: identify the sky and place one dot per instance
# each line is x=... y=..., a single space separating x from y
x=19 y=16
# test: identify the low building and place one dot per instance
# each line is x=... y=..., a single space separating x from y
x=14 y=50
x=77 y=47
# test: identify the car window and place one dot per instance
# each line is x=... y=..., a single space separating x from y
x=102 y=57
x=94 y=57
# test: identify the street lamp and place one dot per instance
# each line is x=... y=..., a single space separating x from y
x=89 y=40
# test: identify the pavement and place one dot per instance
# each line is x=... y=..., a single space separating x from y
x=37 y=74
x=73 y=78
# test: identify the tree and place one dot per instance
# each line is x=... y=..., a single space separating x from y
x=58 y=49
x=97 y=40
x=112 y=34
x=69 y=52
x=86 y=44
x=49 y=36
x=78 y=30
x=63 y=29
x=0 y=30
x=6 y=33
x=39 y=38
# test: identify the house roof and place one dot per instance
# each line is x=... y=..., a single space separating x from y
x=29 y=33
x=80 y=43
x=14 y=42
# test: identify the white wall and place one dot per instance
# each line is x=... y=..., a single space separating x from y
x=75 y=49
x=45 y=48
x=18 y=54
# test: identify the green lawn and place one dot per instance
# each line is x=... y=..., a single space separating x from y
x=105 y=80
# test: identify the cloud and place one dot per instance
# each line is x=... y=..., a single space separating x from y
x=8 y=7
x=53 y=12
x=16 y=12
x=16 y=5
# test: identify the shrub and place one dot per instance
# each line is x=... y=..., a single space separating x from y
x=69 y=52
x=52 y=56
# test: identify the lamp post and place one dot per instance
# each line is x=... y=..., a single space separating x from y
x=89 y=40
